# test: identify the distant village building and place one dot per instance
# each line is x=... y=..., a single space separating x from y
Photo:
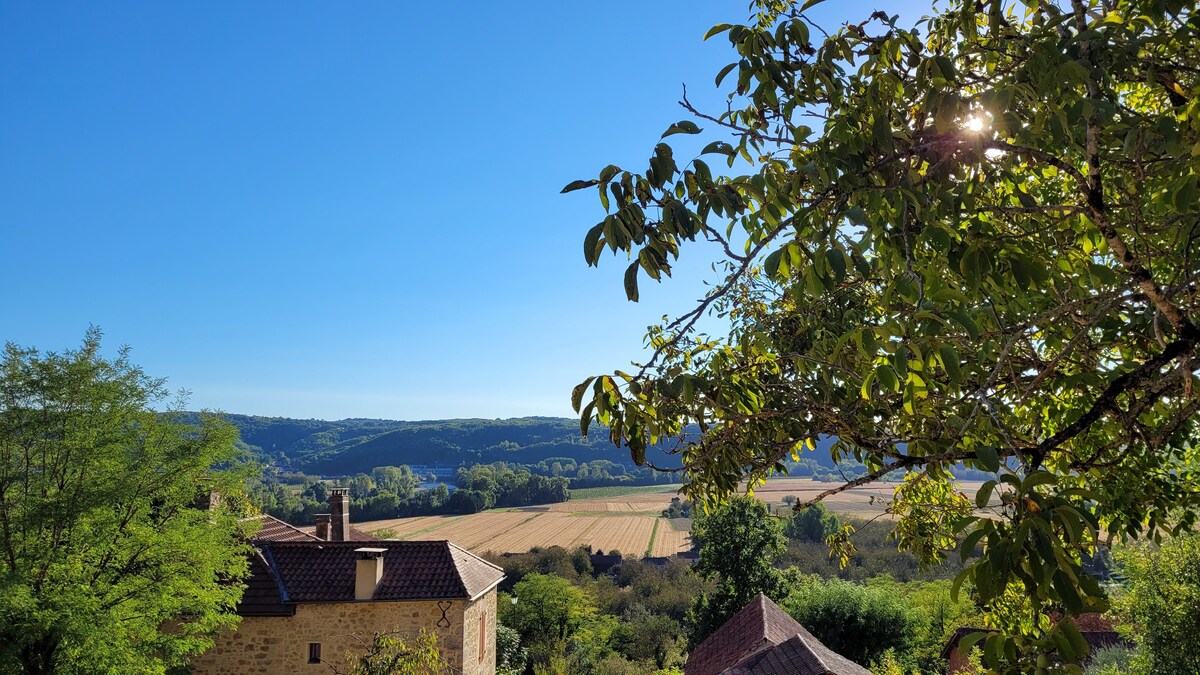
x=315 y=596
x=762 y=639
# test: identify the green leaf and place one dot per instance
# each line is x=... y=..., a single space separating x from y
x=988 y=457
x=578 y=185
x=585 y=417
x=887 y=377
x=881 y=132
x=984 y=495
x=837 y=264
x=725 y=71
x=717 y=30
x=631 y=284
x=577 y=393
x=683 y=219
x=969 y=543
x=1185 y=194
x=719 y=147
x=900 y=361
x=1037 y=478
x=1067 y=593
x=771 y=264
x=964 y=320
x=809 y=4
x=950 y=362
x=682 y=127
x=591 y=244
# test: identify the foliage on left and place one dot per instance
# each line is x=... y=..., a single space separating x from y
x=111 y=559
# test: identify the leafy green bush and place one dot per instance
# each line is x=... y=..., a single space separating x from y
x=856 y=621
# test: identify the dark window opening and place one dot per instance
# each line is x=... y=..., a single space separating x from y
x=314 y=652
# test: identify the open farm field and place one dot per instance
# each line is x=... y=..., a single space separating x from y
x=619 y=491
x=865 y=502
x=623 y=522
x=518 y=531
x=648 y=502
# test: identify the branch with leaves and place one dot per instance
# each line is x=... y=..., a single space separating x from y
x=982 y=254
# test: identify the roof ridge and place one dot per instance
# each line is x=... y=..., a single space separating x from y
x=279 y=521
x=269 y=558
x=815 y=652
x=485 y=562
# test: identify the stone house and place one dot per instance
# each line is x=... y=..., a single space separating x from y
x=313 y=597
x=762 y=639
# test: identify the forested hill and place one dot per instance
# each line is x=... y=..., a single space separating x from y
x=354 y=445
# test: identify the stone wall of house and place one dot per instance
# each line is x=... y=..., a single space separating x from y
x=481 y=613
x=269 y=645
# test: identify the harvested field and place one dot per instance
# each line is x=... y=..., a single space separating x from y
x=649 y=503
x=407 y=526
x=621 y=522
x=518 y=531
x=628 y=534
x=669 y=541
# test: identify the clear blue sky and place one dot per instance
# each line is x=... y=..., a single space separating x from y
x=340 y=209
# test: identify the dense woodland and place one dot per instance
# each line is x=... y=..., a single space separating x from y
x=545 y=446
x=392 y=492
x=359 y=445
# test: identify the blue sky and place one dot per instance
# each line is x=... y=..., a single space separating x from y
x=340 y=209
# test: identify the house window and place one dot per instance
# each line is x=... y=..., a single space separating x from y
x=482 y=635
x=314 y=652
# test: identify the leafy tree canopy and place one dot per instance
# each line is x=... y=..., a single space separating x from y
x=1161 y=604
x=811 y=524
x=969 y=240
x=112 y=559
x=855 y=621
x=738 y=544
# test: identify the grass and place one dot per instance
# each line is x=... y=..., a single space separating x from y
x=620 y=491
x=653 y=534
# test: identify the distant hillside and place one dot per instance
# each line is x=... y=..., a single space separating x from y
x=354 y=445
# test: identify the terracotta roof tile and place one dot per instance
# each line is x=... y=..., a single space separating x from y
x=762 y=639
x=802 y=654
x=263 y=594
x=274 y=529
x=412 y=570
x=355 y=533
x=477 y=574
x=745 y=632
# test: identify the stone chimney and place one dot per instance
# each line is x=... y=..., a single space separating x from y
x=339 y=514
x=367 y=572
x=321 y=520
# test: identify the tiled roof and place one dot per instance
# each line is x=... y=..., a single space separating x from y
x=412 y=570
x=762 y=639
x=355 y=534
x=263 y=595
x=802 y=654
x=477 y=574
x=274 y=529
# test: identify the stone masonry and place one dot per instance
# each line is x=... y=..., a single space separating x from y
x=268 y=645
